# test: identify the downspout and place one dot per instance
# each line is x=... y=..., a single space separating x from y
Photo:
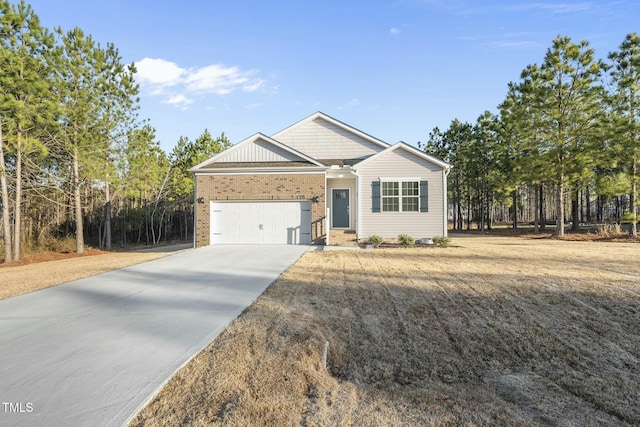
x=195 y=208
x=358 y=205
x=445 y=173
x=327 y=212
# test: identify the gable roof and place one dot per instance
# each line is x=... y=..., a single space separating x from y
x=268 y=148
x=404 y=146
x=320 y=115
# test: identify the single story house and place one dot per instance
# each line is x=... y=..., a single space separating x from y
x=318 y=174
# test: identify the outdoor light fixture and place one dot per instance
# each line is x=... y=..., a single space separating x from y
x=314 y=199
x=200 y=200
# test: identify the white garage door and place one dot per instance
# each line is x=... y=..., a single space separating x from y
x=261 y=222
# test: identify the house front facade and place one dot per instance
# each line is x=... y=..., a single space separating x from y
x=316 y=175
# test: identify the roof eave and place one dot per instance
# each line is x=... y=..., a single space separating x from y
x=254 y=138
x=269 y=170
x=409 y=148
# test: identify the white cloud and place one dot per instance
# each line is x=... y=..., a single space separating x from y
x=162 y=77
x=222 y=80
x=394 y=31
x=353 y=103
x=253 y=106
x=518 y=40
x=179 y=100
x=554 y=7
x=158 y=72
x=253 y=85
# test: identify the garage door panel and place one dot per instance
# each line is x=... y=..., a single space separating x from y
x=261 y=222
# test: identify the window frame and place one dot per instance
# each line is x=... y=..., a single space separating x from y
x=390 y=200
x=413 y=198
x=398 y=199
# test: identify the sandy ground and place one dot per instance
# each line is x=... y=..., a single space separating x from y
x=492 y=331
x=21 y=279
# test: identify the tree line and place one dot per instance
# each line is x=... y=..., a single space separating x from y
x=563 y=147
x=76 y=163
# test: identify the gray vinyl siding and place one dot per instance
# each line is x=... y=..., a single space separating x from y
x=258 y=151
x=342 y=183
x=400 y=164
x=323 y=140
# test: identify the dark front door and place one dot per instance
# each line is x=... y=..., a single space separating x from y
x=340 y=208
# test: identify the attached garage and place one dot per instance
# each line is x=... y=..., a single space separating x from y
x=261 y=222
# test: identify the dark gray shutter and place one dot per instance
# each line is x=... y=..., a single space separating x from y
x=424 y=196
x=375 y=196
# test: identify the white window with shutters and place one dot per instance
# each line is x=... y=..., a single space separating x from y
x=400 y=195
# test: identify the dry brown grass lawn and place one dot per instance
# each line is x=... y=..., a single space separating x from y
x=494 y=331
x=41 y=271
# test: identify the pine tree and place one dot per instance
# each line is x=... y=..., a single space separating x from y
x=6 y=221
x=568 y=103
x=458 y=138
x=26 y=100
x=118 y=103
x=146 y=176
x=95 y=93
x=625 y=102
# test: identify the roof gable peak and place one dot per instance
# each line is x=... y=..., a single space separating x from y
x=401 y=145
x=233 y=153
x=327 y=118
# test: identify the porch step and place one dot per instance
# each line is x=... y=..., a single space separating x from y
x=343 y=238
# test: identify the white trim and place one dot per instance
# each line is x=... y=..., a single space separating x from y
x=446 y=203
x=399 y=179
x=195 y=211
x=340 y=173
x=348 y=227
x=259 y=200
x=250 y=140
x=400 y=196
x=359 y=206
x=335 y=122
x=406 y=147
x=327 y=222
x=303 y=170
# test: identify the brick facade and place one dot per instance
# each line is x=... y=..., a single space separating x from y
x=259 y=187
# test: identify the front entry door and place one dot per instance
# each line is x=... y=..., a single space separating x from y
x=340 y=208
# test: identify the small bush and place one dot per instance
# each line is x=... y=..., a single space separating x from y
x=609 y=230
x=406 y=240
x=61 y=245
x=376 y=241
x=442 y=241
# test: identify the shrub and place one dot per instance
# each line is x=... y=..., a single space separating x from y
x=375 y=241
x=62 y=245
x=609 y=230
x=627 y=218
x=406 y=240
x=442 y=241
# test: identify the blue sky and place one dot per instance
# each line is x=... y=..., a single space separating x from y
x=394 y=69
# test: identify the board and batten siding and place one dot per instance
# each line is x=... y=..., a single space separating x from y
x=399 y=164
x=258 y=151
x=323 y=140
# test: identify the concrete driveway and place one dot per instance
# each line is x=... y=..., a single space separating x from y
x=91 y=352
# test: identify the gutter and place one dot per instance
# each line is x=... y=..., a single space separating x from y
x=274 y=170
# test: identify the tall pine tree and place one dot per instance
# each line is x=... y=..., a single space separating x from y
x=625 y=101
x=26 y=100
x=568 y=100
